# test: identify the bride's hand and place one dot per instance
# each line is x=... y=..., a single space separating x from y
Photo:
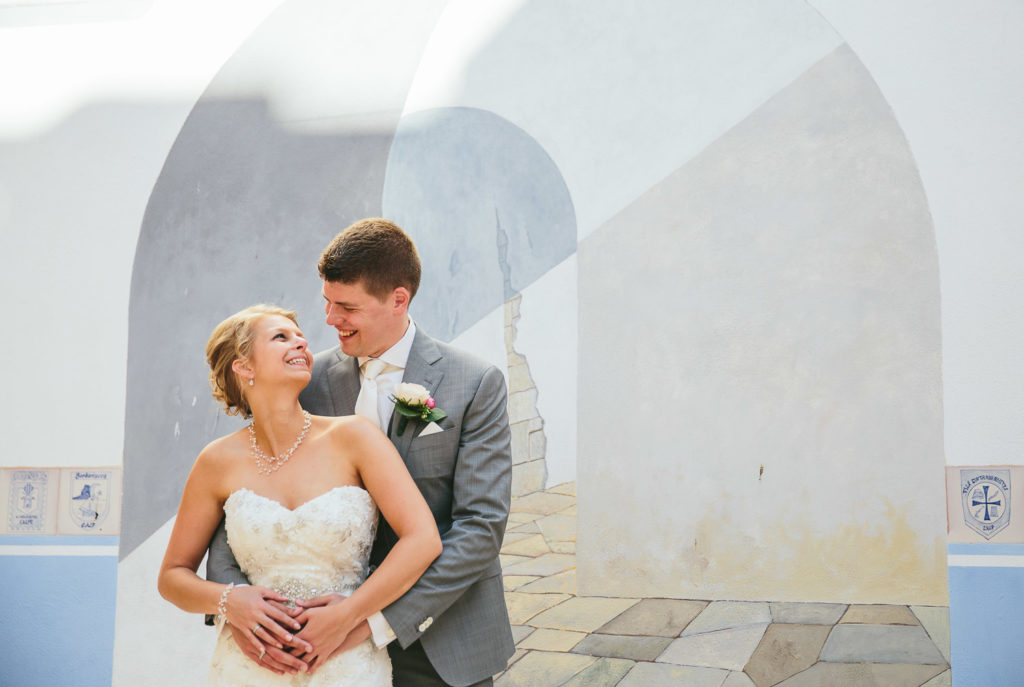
x=326 y=626
x=253 y=611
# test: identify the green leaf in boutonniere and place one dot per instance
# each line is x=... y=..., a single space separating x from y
x=414 y=401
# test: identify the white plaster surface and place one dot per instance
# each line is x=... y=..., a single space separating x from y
x=777 y=309
x=486 y=339
x=155 y=643
x=952 y=73
x=82 y=141
x=682 y=73
x=548 y=337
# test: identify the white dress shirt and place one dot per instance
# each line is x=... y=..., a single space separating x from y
x=387 y=381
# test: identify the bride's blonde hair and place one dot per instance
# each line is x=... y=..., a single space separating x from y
x=231 y=340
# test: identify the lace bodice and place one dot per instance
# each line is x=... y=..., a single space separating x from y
x=321 y=546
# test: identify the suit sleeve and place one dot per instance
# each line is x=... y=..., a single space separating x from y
x=481 y=496
x=221 y=565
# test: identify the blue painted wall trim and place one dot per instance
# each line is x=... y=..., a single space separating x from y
x=58 y=627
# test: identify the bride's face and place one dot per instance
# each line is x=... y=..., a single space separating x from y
x=279 y=351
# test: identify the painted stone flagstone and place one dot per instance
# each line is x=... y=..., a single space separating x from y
x=605 y=672
x=530 y=546
x=935 y=620
x=553 y=640
x=848 y=674
x=528 y=527
x=720 y=615
x=563 y=546
x=512 y=582
x=729 y=649
x=656 y=617
x=879 y=614
x=797 y=613
x=880 y=644
x=738 y=680
x=785 y=650
x=944 y=679
x=618 y=646
x=582 y=614
x=521 y=632
x=558 y=527
x=522 y=607
x=567 y=488
x=662 y=675
x=543 y=668
x=561 y=583
x=542 y=502
x=546 y=564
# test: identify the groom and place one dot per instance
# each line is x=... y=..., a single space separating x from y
x=452 y=627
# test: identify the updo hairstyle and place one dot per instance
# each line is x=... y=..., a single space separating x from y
x=231 y=340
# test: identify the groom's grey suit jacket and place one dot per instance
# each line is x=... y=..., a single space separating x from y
x=457 y=608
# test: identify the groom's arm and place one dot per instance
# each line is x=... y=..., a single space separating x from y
x=481 y=496
x=221 y=565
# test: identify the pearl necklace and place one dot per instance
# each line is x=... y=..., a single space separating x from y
x=267 y=464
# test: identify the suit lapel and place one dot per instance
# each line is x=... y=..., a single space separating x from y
x=422 y=369
x=343 y=384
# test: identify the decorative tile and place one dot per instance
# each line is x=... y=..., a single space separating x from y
x=785 y=650
x=880 y=644
x=729 y=649
x=656 y=618
x=552 y=640
x=720 y=615
x=847 y=674
x=547 y=564
x=935 y=620
x=606 y=672
x=522 y=607
x=807 y=613
x=543 y=668
x=542 y=502
x=29 y=498
x=89 y=501
x=562 y=583
x=975 y=504
x=879 y=614
x=664 y=675
x=618 y=646
x=583 y=614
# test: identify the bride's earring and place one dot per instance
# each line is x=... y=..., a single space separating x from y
x=252 y=381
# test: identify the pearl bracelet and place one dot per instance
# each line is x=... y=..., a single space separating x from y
x=222 y=605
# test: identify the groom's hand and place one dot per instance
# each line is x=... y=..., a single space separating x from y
x=328 y=628
x=276 y=660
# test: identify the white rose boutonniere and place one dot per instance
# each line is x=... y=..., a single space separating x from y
x=412 y=400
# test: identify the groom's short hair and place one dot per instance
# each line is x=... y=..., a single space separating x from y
x=375 y=251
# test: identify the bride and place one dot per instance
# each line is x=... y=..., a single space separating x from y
x=300 y=497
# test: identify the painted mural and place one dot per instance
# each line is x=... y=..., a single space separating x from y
x=696 y=241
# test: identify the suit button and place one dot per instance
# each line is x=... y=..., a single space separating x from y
x=425 y=624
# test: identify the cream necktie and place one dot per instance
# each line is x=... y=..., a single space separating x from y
x=366 y=402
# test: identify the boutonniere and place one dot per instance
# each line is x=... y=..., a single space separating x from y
x=412 y=400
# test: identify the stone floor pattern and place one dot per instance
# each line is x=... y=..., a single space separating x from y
x=565 y=639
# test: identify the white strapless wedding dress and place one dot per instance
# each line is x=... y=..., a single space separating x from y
x=321 y=546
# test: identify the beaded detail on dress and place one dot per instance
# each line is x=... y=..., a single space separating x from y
x=321 y=546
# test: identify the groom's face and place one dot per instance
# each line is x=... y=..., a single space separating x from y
x=367 y=326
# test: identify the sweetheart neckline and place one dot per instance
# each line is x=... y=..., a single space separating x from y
x=301 y=505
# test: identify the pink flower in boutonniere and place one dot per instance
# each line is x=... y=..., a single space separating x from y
x=412 y=400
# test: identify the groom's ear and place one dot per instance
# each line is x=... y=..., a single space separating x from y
x=400 y=298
